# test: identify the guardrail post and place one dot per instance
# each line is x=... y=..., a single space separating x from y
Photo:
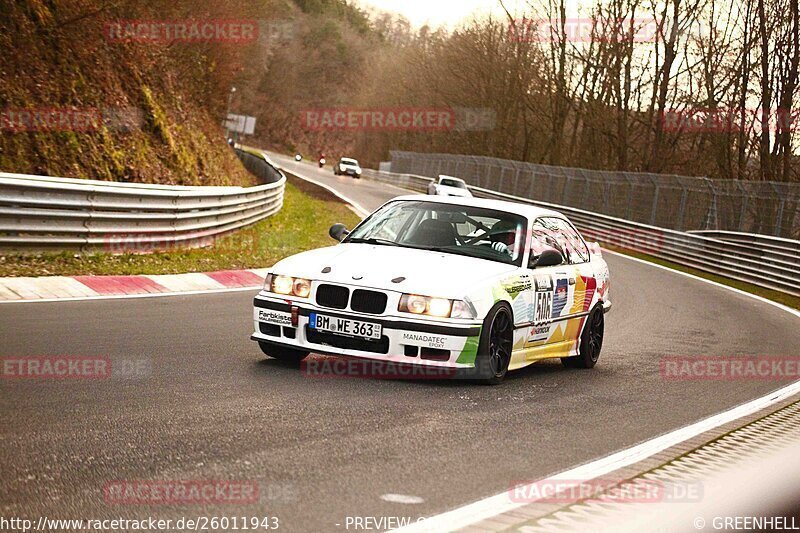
x=630 y=196
x=531 y=183
x=654 y=209
x=586 y=186
x=682 y=209
x=779 y=215
x=779 y=221
x=502 y=187
x=712 y=209
x=745 y=198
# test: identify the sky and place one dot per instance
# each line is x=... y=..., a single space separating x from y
x=450 y=13
x=439 y=12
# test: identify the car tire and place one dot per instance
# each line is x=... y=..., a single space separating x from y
x=591 y=342
x=495 y=346
x=281 y=353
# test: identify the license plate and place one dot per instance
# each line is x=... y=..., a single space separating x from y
x=345 y=326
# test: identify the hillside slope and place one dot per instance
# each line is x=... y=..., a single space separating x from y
x=122 y=110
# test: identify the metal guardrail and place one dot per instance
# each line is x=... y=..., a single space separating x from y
x=45 y=213
x=258 y=164
x=762 y=243
x=757 y=262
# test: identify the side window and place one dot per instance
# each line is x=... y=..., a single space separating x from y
x=545 y=234
x=579 y=249
x=571 y=243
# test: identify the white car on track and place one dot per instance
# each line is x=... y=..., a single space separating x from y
x=477 y=286
x=347 y=166
x=449 y=186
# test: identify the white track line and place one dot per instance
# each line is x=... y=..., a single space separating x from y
x=486 y=508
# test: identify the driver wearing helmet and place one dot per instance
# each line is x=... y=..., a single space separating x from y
x=503 y=235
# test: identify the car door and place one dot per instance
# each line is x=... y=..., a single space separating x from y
x=582 y=273
x=581 y=284
x=550 y=294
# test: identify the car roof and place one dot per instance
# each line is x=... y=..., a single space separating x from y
x=530 y=211
x=348 y=159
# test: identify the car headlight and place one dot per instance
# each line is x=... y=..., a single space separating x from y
x=287 y=285
x=301 y=287
x=412 y=303
x=439 y=307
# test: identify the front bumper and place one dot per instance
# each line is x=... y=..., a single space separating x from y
x=403 y=340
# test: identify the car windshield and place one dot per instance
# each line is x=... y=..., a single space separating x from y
x=454 y=229
x=349 y=162
x=453 y=183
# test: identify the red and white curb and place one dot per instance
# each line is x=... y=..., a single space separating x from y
x=103 y=287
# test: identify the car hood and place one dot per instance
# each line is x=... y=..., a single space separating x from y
x=425 y=272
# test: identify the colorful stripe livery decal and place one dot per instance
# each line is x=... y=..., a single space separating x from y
x=560 y=297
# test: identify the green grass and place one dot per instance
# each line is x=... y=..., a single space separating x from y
x=776 y=296
x=302 y=224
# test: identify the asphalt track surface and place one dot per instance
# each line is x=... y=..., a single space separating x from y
x=209 y=406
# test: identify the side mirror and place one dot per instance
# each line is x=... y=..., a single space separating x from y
x=338 y=232
x=549 y=257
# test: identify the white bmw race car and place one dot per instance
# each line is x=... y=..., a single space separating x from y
x=478 y=286
x=449 y=186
